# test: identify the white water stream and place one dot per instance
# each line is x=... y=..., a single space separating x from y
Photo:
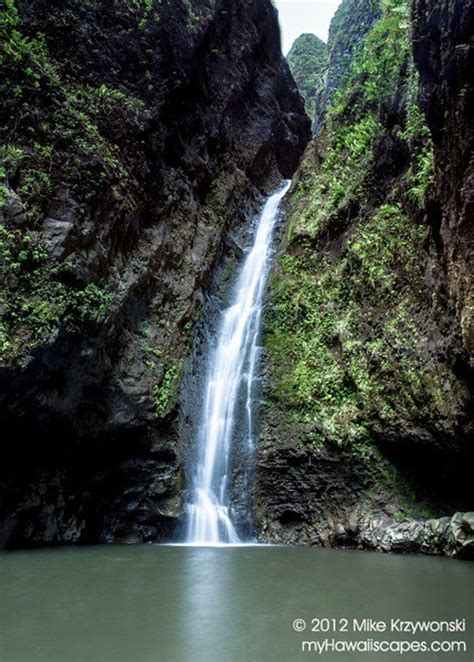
x=228 y=388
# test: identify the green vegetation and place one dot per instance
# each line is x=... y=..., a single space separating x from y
x=343 y=336
x=354 y=125
x=341 y=177
x=166 y=392
x=307 y=60
x=69 y=130
x=375 y=72
x=165 y=366
x=348 y=30
x=340 y=332
x=193 y=17
x=418 y=138
x=73 y=149
x=34 y=299
x=60 y=128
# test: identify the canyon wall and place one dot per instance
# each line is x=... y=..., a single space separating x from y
x=135 y=137
x=367 y=440
x=349 y=27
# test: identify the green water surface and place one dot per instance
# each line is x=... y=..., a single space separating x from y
x=186 y=604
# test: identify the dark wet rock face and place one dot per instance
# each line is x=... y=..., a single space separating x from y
x=140 y=138
x=443 y=47
x=367 y=435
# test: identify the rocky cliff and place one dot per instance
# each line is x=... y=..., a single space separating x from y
x=349 y=27
x=443 y=47
x=135 y=135
x=307 y=60
x=368 y=425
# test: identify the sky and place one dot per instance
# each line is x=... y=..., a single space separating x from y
x=298 y=16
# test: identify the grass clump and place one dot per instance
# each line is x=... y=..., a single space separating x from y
x=165 y=393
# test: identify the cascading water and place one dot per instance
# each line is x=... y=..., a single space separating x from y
x=229 y=384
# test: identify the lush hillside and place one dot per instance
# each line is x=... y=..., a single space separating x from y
x=349 y=27
x=307 y=60
x=369 y=337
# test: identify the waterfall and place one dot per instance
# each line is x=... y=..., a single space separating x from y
x=228 y=391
